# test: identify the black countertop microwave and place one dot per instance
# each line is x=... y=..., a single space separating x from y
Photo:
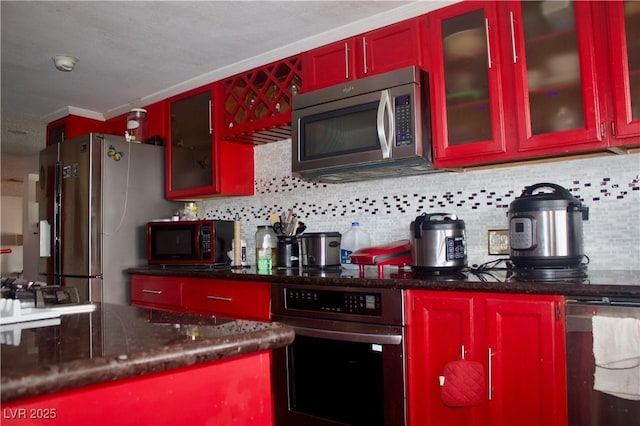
x=189 y=242
x=374 y=127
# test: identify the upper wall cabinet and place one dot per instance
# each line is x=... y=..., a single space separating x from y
x=468 y=109
x=71 y=126
x=533 y=82
x=200 y=164
x=553 y=67
x=623 y=27
x=257 y=104
x=388 y=48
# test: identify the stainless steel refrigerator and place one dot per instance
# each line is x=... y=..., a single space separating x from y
x=97 y=192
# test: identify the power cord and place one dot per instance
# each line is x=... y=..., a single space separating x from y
x=486 y=269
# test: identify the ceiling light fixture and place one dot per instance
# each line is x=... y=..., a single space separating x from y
x=64 y=62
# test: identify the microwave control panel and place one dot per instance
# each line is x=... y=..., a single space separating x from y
x=404 y=125
x=368 y=304
x=205 y=241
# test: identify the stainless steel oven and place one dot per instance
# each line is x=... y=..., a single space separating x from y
x=346 y=364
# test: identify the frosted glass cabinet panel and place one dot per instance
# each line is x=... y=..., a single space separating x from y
x=553 y=66
x=632 y=32
x=191 y=162
x=466 y=64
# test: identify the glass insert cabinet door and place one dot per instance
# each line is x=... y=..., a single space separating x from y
x=632 y=36
x=467 y=94
x=625 y=60
x=191 y=152
x=466 y=78
x=554 y=68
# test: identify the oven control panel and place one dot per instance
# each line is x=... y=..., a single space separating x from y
x=343 y=302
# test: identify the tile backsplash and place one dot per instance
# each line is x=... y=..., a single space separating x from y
x=608 y=185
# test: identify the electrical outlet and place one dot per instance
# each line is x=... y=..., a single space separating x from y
x=499 y=241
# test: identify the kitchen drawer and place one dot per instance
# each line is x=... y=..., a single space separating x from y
x=156 y=292
x=231 y=299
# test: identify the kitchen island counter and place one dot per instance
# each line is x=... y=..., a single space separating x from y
x=123 y=342
x=624 y=284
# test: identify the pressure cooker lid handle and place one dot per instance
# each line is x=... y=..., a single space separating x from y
x=528 y=191
x=444 y=216
x=417 y=225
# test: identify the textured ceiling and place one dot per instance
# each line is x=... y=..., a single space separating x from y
x=133 y=53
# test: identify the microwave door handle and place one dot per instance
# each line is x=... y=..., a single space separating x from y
x=197 y=237
x=385 y=108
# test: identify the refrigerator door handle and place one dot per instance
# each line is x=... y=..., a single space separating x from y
x=45 y=238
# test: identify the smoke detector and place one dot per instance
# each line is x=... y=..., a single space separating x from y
x=65 y=63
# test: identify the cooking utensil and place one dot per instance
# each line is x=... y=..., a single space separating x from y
x=288 y=252
x=545 y=228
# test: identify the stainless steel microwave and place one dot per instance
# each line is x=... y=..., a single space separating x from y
x=189 y=242
x=374 y=127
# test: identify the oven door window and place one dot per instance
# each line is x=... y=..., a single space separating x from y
x=337 y=380
x=345 y=131
x=173 y=242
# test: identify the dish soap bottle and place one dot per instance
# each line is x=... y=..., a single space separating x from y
x=265 y=248
x=355 y=238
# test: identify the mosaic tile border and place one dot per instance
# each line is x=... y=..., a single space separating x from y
x=603 y=189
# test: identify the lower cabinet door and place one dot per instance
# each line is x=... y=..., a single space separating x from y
x=440 y=326
x=231 y=299
x=526 y=355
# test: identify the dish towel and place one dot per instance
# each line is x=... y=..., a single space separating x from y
x=616 y=349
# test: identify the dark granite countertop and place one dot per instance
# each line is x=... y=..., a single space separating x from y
x=117 y=342
x=625 y=284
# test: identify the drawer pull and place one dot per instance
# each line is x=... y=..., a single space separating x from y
x=144 y=290
x=222 y=299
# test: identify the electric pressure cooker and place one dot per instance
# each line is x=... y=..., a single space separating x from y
x=545 y=227
x=438 y=243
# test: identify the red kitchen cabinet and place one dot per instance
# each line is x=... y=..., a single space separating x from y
x=467 y=93
x=534 y=82
x=552 y=61
x=526 y=359
x=200 y=164
x=385 y=49
x=623 y=28
x=257 y=103
x=229 y=299
x=519 y=340
x=157 y=292
x=230 y=392
x=439 y=326
x=224 y=298
x=71 y=126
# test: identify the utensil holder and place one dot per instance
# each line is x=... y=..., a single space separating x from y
x=288 y=252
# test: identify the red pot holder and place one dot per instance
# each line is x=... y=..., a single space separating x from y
x=464 y=384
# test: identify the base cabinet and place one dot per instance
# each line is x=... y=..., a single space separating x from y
x=224 y=298
x=518 y=339
x=232 y=392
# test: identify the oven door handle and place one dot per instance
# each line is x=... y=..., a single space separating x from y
x=382 y=339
